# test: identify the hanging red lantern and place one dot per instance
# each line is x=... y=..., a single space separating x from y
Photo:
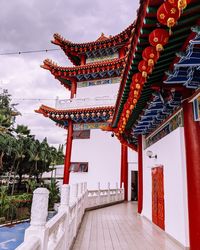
x=134 y=101
x=168 y=14
x=144 y=68
x=150 y=55
x=135 y=86
x=158 y=38
x=138 y=78
x=180 y=4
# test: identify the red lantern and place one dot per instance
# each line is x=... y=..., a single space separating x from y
x=138 y=78
x=150 y=55
x=168 y=14
x=144 y=68
x=126 y=106
x=136 y=86
x=158 y=38
x=131 y=107
x=180 y=4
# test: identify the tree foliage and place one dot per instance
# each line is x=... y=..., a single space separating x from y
x=20 y=153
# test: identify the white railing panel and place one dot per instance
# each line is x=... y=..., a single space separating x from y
x=60 y=231
x=33 y=244
x=85 y=102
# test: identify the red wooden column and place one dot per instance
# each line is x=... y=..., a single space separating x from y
x=122 y=52
x=68 y=152
x=140 y=175
x=73 y=88
x=192 y=147
x=83 y=59
x=124 y=169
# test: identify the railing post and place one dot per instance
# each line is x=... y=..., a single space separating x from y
x=39 y=212
x=109 y=197
x=64 y=198
x=99 y=194
x=117 y=192
x=82 y=188
x=73 y=193
x=85 y=196
x=123 y=193
x=82 y=198
x=64 y=206
x=76 y=200
x=79 y=189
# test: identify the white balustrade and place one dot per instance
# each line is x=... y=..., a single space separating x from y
x=60 y=231
x=86 y=102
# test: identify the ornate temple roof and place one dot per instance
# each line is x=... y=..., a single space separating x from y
x=78 y=116
x=156 y=101
x=91 y=71
x=75 y=50
x=102 y=38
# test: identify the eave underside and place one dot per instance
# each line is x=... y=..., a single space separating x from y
x=78 y=116
x=165 y=62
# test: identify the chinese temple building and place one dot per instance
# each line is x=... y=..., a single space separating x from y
x=158 y=111
x=93 y=82
x=153 y=67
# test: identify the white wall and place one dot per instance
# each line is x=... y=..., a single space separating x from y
x=132 y=166
x=171 y=154
x=103 y=153
x=98 y=91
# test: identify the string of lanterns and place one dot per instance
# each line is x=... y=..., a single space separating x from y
x=167 y=14
x=72 y=116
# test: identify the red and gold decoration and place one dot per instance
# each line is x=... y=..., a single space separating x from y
x=180 y=4
x=138 y=79
x=158 y=38
x=150 y=55
x=144 y=68
x=168 y=14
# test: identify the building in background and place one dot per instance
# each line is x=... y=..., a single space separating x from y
x=156 y=66
x=92 y=155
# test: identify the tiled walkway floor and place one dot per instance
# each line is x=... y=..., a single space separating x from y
x=119 y=227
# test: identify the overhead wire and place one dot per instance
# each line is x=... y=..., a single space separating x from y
x=26 y=52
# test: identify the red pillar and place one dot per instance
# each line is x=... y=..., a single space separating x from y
x=124 y=169
x=73 y=88
x=68 y=152
x=83 y=59
x=69 y=139
x=192 y=147
x=140 y=175
x=122 y=52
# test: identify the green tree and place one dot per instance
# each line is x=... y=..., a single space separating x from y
x=5 y=146
x=22 y=131
x=19 y=151
x=53 y=192
x=7 y=112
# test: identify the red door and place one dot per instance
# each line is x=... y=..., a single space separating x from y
x=158 y=208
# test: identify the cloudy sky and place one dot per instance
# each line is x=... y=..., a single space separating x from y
x=29 y=25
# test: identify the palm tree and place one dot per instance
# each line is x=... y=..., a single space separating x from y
x=34 y=152
x=5 y=140
x=4 y=202
x=22 y=131
x=19 y=151
x=56 y=156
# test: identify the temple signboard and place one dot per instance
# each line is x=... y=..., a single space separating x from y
x=86 y=126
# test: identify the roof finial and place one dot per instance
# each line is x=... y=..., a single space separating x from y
x=102 y=37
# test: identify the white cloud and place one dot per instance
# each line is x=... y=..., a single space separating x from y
x=30 y=25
